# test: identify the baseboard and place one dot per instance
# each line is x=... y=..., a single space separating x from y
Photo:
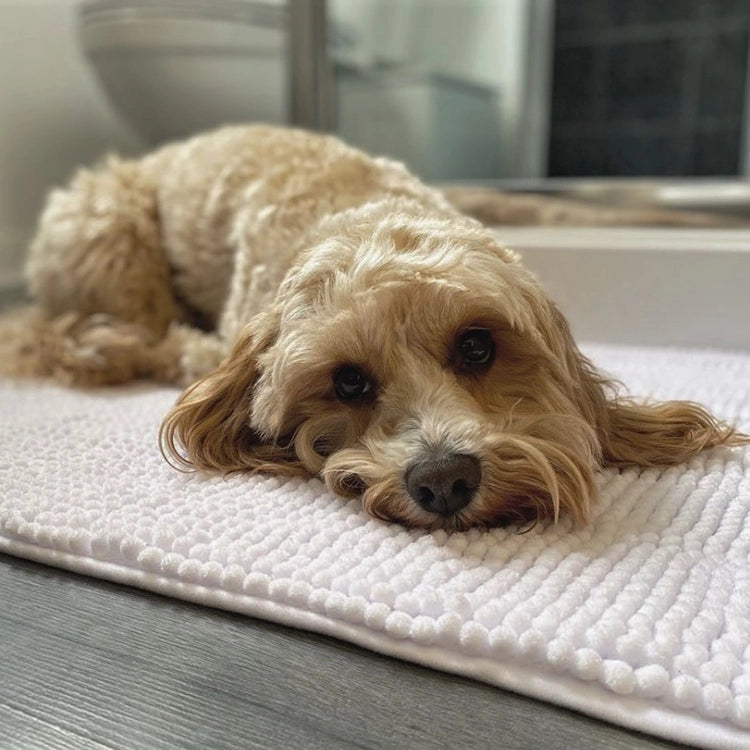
x=665 y=287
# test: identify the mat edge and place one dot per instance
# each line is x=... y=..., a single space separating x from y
x=586 y=698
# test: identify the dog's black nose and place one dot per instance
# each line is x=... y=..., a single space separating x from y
x=444 y=483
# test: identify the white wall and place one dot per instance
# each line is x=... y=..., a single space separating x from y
x=52 y=117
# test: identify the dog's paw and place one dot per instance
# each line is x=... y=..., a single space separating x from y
x=97 y=349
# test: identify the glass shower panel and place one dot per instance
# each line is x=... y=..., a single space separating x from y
x=424 y=81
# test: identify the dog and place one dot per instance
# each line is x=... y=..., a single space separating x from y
x=331 y=315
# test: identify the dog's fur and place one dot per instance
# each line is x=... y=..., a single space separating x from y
x=251 y=263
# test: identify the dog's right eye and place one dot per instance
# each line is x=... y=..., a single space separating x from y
x=476 y=348
x=352 y=384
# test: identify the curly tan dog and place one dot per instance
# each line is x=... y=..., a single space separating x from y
x=334 y=316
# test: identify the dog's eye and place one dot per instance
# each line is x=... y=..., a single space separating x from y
x=476 y=348
x=352 y=384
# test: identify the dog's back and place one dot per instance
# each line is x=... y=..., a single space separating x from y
x=132 y=247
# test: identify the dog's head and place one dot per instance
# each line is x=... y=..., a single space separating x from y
x=417 y=363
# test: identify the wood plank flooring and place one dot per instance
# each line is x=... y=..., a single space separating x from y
x=88 y=664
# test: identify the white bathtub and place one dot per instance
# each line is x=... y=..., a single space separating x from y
x=673 y=287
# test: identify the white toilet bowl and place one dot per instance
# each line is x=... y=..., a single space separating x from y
x=175 y=67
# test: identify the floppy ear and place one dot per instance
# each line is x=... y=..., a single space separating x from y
x=638 y=434
x=661 y=434
x=209 y=427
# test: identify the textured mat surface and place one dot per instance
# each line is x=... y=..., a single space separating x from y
x=642 y=619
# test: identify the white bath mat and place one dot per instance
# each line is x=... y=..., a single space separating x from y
x=642 y=619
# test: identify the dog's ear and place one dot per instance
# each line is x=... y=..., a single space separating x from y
x=209 y=427
x=632 y=433
x=661 y=434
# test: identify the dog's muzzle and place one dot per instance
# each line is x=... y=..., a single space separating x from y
x=444 y=483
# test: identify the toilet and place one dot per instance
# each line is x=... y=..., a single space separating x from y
x=172 y=68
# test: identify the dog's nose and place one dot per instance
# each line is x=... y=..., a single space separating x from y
x=444 y=483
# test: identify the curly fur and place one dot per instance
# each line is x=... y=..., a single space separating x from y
x=250 y=263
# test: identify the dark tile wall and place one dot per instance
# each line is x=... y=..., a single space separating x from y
x=648 y=87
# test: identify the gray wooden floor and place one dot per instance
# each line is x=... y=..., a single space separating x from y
x=88 y=664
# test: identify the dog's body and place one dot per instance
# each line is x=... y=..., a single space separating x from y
x=337 y=317
x=201 y=232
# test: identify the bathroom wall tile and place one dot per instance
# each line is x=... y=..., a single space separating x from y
x=717 y=153
x=658 y=86
x=658 y=155
x=577 y=15
x=627 y=12
x=577 y=156
x=645 y=79
x=574 y=84
x=721 y=9
x=722 y=76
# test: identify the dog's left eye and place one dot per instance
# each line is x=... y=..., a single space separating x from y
x=476 y=347
x=352 y=384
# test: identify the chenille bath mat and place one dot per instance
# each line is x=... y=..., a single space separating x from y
x=642 y=619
